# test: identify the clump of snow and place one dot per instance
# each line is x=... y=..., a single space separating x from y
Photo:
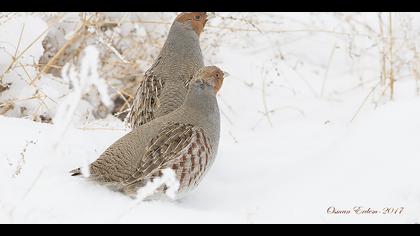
x=168 y=178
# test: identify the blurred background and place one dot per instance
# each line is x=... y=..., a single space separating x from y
x=323 y=55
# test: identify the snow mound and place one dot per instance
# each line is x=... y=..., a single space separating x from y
x=274 y=180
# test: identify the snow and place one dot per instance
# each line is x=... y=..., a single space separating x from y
x=287 y=153
x=168 y=179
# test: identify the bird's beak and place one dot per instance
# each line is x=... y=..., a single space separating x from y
x=225 y=74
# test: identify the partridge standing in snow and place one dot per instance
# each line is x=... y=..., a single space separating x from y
x=185 y=141
x=165 y=83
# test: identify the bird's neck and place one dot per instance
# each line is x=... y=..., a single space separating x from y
x=202 y=109
x=182 y=45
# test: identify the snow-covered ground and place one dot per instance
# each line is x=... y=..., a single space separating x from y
x=290 y=150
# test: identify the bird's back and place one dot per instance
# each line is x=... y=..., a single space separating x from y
x=120 y=160
x=165 y=85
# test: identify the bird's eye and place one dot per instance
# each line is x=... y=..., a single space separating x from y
x=197 y=17
x=217 y=75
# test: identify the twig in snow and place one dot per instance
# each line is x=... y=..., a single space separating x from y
x=75 y=36
x=324 y=82
x=227 y=117
x=16 y=58
x=22 y=161
x=364 y=101
x=264 y=99
x=113 y=49
x=300 y=111
x=108 y=129
x=391 y=57
x=19 y=41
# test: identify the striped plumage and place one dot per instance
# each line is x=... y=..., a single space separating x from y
x=146 y=101
x=164 y=86
x=185 y=141
x=181 y=147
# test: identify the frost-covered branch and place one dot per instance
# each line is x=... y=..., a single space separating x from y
x=81 y=82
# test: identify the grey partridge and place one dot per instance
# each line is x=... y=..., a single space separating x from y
x=165 y=83
x=185 y=141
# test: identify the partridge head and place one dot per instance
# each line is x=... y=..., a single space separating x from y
x=195 y=20
x=210 y=76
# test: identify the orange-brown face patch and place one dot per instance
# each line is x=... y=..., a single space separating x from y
x=198 y=20
x=218 y=85
x=216 y=75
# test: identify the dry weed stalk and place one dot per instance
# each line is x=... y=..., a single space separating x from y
x=122 y=54
x=391 y=58
x=16 y=57
x=398 y=56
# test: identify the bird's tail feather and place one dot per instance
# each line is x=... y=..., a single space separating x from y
x=76 y=172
